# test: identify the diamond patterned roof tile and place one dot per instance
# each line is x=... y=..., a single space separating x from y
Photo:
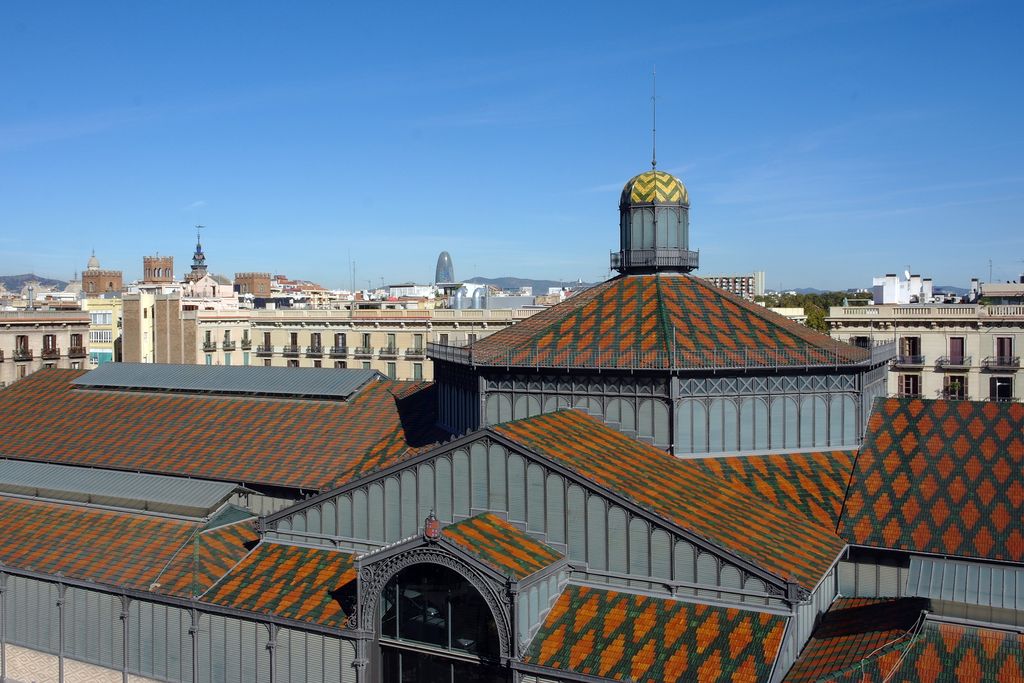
x=781 y=541
x=960 y=495
x=500 y=545
x=707 y=643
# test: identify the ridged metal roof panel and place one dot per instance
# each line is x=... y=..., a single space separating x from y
x=156 y=493
x=335 y=383
x=974 y=583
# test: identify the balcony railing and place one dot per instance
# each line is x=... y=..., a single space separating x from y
x=76 y=352
x=1 y=356
x=22 y=354
x=209 y=346
x=50 y=353
x=1000 y=362
x=246 y=344
x=338 y=351
x=953 y=396
x=953 y=362
x=654 y=258
x=1003 y=399
x=909 y=359
x=417 y=352
x=364 y=350
x=314 y=350
x=388 y=352
x=263 y=350
x=228 y=345
x=291 y=349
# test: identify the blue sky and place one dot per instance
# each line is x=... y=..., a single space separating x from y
x=822 y=142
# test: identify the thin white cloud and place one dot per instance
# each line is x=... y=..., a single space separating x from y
x=198 y=204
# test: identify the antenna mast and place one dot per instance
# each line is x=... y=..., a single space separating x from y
x=654 y=118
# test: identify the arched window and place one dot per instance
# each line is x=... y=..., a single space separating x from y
x=446 y=617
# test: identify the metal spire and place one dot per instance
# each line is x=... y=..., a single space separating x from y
x=654 y=118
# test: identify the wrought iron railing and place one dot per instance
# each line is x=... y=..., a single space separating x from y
x=23 y=354
x=314 y=350
x=76 y=352
x=678 y=359
x=291 y=349
x=654 y=258
x=364 y=351
x=50 y=353
x=1001 y=362
x=388 y=352
x=339 y=351
x=264 y=350
x=246 y=344
x=417 y=352
x=209 y=346
x=228 y=345
x=953 y=362
x=909 y=359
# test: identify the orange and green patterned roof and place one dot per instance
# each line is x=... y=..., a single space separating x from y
x=109 y=547
x=851 y=632
x=206 y=558
x=812 y=484
x=292 y=582
x=501 y=546
x=660 y=321
x=279 y=442
x=631 y=637
x=940 y=477
x=781 y=542
x=902 y=648
x=654 y=187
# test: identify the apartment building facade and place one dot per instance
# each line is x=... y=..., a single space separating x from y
x=963 y=351
x=169 y=329
x=33 y=340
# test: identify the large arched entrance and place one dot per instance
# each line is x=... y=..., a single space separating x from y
x=434 y=625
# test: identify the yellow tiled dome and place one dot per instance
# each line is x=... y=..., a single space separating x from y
x=654 y=187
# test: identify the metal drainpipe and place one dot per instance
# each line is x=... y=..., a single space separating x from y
x=125 y=604
x=272 y=647
x=3 y=623
x=61 y=590
x=193 y=632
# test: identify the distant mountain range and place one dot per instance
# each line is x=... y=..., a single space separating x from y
x=539 y=286
x=14 y=283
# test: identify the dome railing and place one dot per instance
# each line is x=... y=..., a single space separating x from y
x=804 y=356
x=665 y=257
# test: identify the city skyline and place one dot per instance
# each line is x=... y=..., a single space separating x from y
x=853 y=131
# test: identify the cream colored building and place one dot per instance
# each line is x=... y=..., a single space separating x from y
x=382 y=335
x=33 y=340
x=105 y=323
x=959 y=351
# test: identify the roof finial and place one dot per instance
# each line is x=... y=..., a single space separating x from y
x=198 y=228
x=654 y=117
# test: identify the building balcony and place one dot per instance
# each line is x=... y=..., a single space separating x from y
x=338 y=351
x=1003 y=399
x=246 y=344
x=1 y=356
x=366 y=351
x=291 y=349
x=76 y=352
x=909 y=361
x=209 y=346
x=388 y=352
x=22 y=354
x=314 y=350
x=415 y=353
x=1001 y=363
x=50 y=353
x=262 y=350
x=228 y=345
x=953 y=362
